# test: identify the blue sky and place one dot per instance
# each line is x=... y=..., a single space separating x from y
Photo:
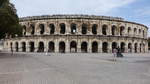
x=132 y=10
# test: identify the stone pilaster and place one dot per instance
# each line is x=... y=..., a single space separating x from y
x=47 y=29
x=79 y=46
x=89 y=46
x=100 y=47
x=56 y=46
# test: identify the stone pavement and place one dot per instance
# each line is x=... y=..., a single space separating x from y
x=73 y=68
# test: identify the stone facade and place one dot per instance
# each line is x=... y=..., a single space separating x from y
x=79 y=33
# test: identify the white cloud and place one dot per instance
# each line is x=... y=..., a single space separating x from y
x=39 y=7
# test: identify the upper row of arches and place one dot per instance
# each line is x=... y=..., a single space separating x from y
x=85 y=29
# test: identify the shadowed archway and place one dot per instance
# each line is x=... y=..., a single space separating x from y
x=62 y=47
x=51 y=46
x=84 y=47
x=73 y=46
x=32 y=46
x=94 y=47
x=41 y=47
x=105 y=47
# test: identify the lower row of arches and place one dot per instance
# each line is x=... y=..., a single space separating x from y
x=130 y=47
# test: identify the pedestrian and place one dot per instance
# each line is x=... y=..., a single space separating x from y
x=115 y=53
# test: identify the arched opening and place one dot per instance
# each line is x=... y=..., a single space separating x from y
x=122 y=47
x=104 y=29
x=32 y=48
x=62 y=47
x=139 y=31
x=52 y=28
x=140 y=47
x=143 y=34
x=23 y=47
x=94 y=29
x=135 y=31
x=84 y=28
x=41 y=47
x=113 y=30
x=148 y=46
x=51 y=47
x=11 y=46
x=129 y=31
x=114 y=46
x=129 y=47
x=105 y=47
x=73 y=28
x=42 y=30
x=94 y=47
x=62 y=28
x=122 y=30
x=17 y=48
x=24 y=30
x=84 y=47
x=135 y=47
x=32 y=29
x=73 y=46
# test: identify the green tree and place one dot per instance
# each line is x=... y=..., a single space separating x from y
x=9 y=21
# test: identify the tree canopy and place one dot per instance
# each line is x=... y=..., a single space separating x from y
x=9 y=21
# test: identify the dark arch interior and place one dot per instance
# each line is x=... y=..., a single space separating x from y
x=62 y=47
x=135 y=47
x=113 y=30
x=143 y=33
x=73 y=28
x=84 y=47
x=94 y=29
x=104 y=29
x=129 y=30
x=135 y=31
x=148 y=45
x=32 y=48
x=105 y=47
x=17 y=48
x=94 y=47
x=121 y=30
x=140 y=47
x=23 y=47
x=130 y=47
x=25 y=29
x=52 y=28
x=62 y=28
x=114 y=45
x=122 y=47
x=11 y=47
x=32 y=29
x=41 y=47
x=84 y=28
x=42 y=30
x=51 y=47
x=73 y=46
x=139 y=31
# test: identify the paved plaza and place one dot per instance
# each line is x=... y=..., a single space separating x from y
x=74 y=68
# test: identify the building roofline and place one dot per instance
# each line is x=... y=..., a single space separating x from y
x=94 y=17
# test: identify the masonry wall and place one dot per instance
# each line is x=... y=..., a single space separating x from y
x=110 y=34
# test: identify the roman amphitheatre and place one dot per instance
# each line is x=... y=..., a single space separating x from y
x=79 y=34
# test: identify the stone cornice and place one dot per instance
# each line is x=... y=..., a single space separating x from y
x=92 y=17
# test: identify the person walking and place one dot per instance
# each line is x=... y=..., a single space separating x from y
x=115 y=53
